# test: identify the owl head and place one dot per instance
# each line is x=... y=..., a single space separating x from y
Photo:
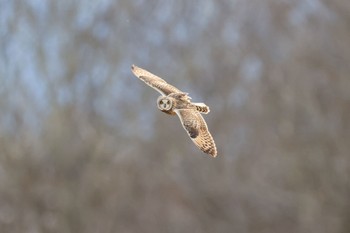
x=165 y=103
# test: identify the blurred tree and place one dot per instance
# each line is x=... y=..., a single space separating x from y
x=77 y=155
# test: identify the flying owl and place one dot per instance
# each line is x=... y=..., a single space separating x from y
x=175 y=102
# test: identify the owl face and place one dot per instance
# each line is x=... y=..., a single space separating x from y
x=164 y=103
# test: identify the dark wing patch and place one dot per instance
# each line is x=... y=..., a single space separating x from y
x=154 y=81
x=191 y=129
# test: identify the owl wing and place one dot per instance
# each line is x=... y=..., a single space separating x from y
x=154 y=81
x=197 y=129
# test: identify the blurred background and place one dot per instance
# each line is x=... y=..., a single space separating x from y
x=83 y=147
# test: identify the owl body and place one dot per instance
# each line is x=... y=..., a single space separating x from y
x=179 y=101
x=175 y=102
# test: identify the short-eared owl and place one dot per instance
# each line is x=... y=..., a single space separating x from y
x=173 y=101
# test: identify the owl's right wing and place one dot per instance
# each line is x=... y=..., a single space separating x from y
x=154 y=81
x=197 y=129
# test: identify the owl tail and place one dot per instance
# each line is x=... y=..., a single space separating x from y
x=202 y=108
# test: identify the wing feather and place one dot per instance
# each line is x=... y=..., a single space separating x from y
x=197 y=130
x=154 y=81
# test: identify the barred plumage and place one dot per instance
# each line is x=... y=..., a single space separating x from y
x=173 y=101
x=202 y=108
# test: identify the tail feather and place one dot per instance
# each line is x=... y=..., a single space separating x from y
x=202 y=108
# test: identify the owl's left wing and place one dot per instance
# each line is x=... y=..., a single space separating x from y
x=197 y=129
x=154 y=81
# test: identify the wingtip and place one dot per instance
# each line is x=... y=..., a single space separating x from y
x=135 y=70
x=212 y=152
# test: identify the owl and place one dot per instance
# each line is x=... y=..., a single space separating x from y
x=175 y=102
